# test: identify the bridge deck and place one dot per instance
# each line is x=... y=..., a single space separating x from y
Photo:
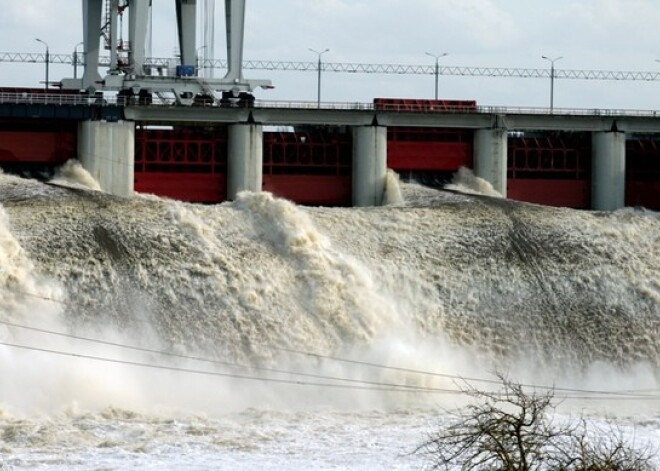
x=349 y=114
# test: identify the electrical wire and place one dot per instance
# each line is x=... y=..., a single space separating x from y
x=570 y=392
x=400 y=388
x=385 y=388
x=206 y=360
x=640 y=393
x=381 y=386
x=628 y=393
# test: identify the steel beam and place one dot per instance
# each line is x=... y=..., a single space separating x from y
x=92 y=17
x=186 y=15
x=235 y=18
x=137 y=34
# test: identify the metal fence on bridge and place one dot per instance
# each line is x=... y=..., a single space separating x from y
x=159 y=100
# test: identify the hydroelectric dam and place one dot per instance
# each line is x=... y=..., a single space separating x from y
x=164 y=129
x=335 y=154
x=283 y=329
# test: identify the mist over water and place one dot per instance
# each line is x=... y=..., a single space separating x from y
x=437 y=281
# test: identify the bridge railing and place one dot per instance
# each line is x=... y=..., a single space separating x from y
x=163 y=100
x=606 y=112
x=313 y=105
x=480 y=109
x=59 y=99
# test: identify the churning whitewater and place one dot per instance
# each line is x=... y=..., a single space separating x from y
x=258 y=330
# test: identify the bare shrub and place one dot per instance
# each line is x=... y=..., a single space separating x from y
x=511 y=430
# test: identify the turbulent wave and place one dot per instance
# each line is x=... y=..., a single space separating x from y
x=438 y=281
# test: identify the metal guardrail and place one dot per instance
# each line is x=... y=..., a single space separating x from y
x=314 y=105
x=410 y=108
x=62 y=99
x=590 y=112
x=59 y=99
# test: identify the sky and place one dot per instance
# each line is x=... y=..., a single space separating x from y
x=588 y=34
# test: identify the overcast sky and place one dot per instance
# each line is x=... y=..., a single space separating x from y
x=589 y=34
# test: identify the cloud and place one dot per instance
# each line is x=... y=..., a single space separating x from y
x=34 y=13
x=595 y=31
x=380 y=30
x=481 y=24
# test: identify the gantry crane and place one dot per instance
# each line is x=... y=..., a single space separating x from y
x=128 y=73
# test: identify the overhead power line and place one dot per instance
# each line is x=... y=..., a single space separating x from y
x=362 y=385
x=569 y=393
x=366 y=387
x=212 y=360
x=364 y=68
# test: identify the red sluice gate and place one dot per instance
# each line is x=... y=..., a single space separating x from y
x=424 y=154
x=643 y=172
x=188 y=164
x=427 y=151
x=310 y=167
x=554 y=170
x=28 y=146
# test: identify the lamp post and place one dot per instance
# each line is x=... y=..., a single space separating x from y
x=552 y=79
x=47 y=57
x=437 y=68
x=75 y=59
x=319 y=67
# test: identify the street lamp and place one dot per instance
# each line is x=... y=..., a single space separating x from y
x=552 y=79
x=437 y=69
x=75 y=59
x=47 y=57
x=318 y=94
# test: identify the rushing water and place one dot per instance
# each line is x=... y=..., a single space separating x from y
x=279 y=322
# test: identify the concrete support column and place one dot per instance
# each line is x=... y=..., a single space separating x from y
x=608 y=170
x=369 y=165
x=107 y=151
x=490 y=157
x=245 y=159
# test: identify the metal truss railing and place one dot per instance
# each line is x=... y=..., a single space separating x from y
x=497 y=110
x=363 y=68
x=60 y=99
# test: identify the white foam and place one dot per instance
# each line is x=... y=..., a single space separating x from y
x=72 y=174
x=393 y=193
x=465 y=181
x=440 y=284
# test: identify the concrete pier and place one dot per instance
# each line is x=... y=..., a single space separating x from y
x=608 y=170
x=369 y=165
x=490 y=157
x=107 y=151
x=245 y=159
